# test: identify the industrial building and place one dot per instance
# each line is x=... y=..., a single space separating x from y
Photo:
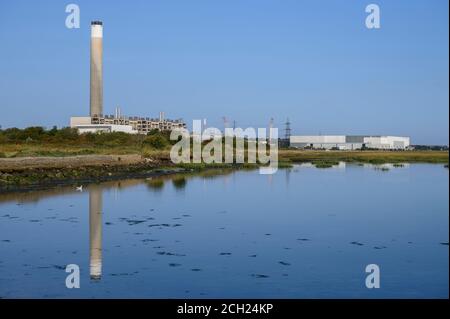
x=126 y=124
x=350 y=142
x=98 y=122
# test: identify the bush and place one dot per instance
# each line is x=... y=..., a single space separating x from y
x=34 y=133
x=12 y=134
x=153 y=132
x=3 y=138
x=113 y=139
x=157 y=141
x=66 y=134
x=69 y=136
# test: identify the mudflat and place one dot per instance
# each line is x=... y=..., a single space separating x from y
x=21 y=163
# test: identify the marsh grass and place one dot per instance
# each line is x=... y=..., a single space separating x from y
x=324 y=163
x=371 y=157
x=35 y=141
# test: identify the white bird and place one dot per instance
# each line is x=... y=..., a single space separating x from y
x=80 y=188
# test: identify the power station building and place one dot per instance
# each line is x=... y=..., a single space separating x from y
x=126 y=124
x=97 y=121
x=350 y=142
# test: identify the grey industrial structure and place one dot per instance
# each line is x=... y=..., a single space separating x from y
x=97 y=121
x=350 y=142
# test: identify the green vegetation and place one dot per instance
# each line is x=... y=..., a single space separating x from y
x=324 y=163
x=36 y=141
x=371 y=157
x=285 y=164
x=155 y=147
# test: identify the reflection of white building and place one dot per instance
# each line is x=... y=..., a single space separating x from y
x=350 y=142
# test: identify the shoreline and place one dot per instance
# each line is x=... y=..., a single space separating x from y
x=89 y=169
x=30 y=173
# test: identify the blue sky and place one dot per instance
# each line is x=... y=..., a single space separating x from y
x=312 y=61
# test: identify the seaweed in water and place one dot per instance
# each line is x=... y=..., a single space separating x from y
x=356 y=243
x=174 y=265
x=169 y=254
x=284 y=263
x=134 y=222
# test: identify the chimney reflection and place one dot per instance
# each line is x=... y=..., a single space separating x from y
x=288 y=175
x=95 y=232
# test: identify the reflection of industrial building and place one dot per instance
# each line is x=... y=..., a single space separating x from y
x=97 y=121
x=349 y=142
x=95 y=232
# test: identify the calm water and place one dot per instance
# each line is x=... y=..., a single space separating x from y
x=301 y=233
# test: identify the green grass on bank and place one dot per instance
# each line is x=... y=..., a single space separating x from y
x=36 y=141
x=372 y=157
x=286 y=157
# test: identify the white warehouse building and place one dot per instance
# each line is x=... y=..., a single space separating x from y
x=350 y=142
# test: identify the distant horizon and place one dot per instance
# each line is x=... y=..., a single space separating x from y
x=252 y=61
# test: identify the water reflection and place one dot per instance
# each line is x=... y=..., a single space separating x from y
x=155 y=184
x=287 y=175
x=194 y=235
x=179 y=182
x=95 y=231
x=35 y=196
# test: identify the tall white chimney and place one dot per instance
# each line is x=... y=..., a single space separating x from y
x=96 y=93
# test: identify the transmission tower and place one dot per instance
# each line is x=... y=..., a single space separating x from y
x=287 y=130
x=270 y=128
x=225 y=125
